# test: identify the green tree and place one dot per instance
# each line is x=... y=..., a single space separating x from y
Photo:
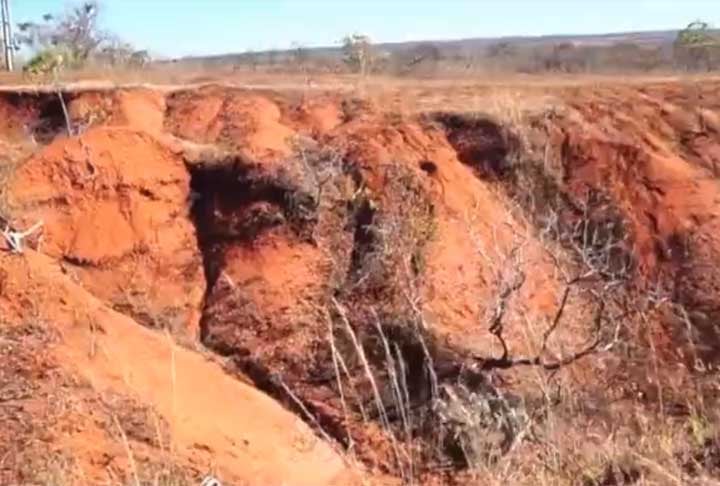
x=358 y=53
x=695 y=46
x=72 y=39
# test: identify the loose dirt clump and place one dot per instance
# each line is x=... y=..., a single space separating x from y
x=234 y=118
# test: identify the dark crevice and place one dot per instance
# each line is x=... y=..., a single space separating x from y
x=429 y=167
x=363 y=236
x=51 y=119
x=234 y=203
x=76 y=261
x=480 y=142
x=41 y=113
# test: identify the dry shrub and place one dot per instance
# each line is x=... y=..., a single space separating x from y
x=391 y=235
x=11 y=158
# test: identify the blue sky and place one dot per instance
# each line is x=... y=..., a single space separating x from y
x=183 y=27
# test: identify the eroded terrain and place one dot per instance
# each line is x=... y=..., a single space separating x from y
x=322 y=288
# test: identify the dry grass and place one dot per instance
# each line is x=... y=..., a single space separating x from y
x=44 y=409
x=12 y=156
x=444 y=90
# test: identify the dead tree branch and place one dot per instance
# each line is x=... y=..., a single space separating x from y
x=596 y=243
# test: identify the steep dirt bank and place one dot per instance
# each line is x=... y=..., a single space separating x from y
x=211 y=419
x=427 y=289
x=114 y=206
x=654 y=153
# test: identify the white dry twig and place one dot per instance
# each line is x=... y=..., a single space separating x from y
x=210 y=481
x=15 y=238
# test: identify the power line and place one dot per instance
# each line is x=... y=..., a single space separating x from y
x=7 y=38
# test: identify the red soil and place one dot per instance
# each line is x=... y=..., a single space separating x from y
x=214 y=420
x=245 y=120
x=656 y=155
x=121 y=243
x=114 y=206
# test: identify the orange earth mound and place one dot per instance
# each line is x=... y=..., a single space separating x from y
x=154 y=267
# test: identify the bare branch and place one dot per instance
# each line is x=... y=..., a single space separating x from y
x=593 y=346
x=596 y=244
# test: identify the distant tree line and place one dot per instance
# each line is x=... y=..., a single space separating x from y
x=696 y=49
x=73 y=39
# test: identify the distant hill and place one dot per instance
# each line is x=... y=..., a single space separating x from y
x=464 y=46
x=650 y=37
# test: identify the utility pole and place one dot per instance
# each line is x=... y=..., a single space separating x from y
x=7 y=38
